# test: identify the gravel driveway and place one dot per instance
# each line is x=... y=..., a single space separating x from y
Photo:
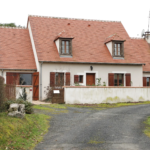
x=87 y=129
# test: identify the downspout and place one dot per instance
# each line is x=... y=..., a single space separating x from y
x=2 y=72
x=41 y=81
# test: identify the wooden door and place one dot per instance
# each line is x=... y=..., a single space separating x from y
x=90 y=79
x=35 y=82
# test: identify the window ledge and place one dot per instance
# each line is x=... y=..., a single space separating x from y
x=118 y=57
x=67 y=56
x=24 y=86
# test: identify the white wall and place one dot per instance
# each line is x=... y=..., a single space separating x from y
x=109 y=46
x=29 y=92
x=101 y=71
x=33 y=47
x=148 y=39
x=146 y=74
x=77 y=95
x=57 y=44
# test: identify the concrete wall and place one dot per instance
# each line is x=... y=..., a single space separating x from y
x=96 y=95
x=101 y=71
x=29 y=92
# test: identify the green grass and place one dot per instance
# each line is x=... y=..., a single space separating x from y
x=107 y=105
x=22 y=134
x=147 y=128
x=52 y=109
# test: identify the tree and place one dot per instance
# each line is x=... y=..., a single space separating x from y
x=9 y=25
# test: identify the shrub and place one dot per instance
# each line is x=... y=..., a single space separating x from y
x=2 y=93
x=28 y=105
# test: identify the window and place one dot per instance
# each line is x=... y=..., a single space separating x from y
x=147 y=82
x=59 y=79
x=80 y=78
x=66 y=46
x=118 y=49
x=19 y=78
x=118 y=80
x=25 y=79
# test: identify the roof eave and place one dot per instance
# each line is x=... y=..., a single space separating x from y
x=99 y=63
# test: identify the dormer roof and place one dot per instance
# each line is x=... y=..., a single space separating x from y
x=114 y=37
x=63 y=34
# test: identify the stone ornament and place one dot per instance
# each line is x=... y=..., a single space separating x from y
x=16 y=110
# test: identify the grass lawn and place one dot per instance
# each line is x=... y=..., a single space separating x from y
x=107 y=105
x=147 y=130
x=22 y=134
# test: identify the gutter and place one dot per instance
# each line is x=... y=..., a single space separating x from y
x=41 y=81
x=96 y=63
x=19 y=69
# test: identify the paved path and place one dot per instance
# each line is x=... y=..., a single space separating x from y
x=39 y=102
x=110 y=129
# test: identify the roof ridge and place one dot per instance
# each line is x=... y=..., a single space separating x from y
x=136 y=38
x=13 y=27
x=74 y=18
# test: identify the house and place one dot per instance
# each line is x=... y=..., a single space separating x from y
x=54 y=51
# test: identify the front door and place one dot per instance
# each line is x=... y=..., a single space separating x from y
x=90 y=79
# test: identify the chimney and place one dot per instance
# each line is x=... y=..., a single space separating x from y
x=147 y=36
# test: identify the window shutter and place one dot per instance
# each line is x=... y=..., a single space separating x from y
x=17 y=78
x=70 y=47
x=12 y=78
x=111 y=79
x=52 y=79
x=128 y=79
x=76 y=78
x=144 y=81
x=68 y=78
x=122 y=49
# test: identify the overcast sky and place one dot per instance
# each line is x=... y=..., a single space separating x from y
x=132 y=13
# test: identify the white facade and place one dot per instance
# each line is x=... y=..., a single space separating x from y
x=101 y=71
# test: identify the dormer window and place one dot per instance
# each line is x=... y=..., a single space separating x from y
x=118 y=49
x=115 y=45
x=65 y=47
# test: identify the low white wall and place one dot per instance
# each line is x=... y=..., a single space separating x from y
x=96 y=95
x=29 y=92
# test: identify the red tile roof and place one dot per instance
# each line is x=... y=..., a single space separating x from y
x=142 y=52
x=63 y=34
x=114 y=37
x=88 y=43
x=15 y=49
